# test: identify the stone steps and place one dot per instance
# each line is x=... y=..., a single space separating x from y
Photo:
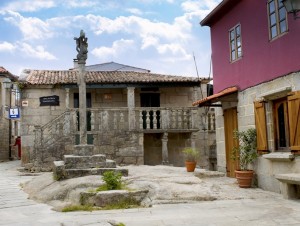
x=84 y=163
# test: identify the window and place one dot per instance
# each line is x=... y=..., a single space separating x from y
x=281 y=133
x=235 y=43
x=286 y=114
x=277 y=18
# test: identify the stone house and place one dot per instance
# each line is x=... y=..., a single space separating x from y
x=133 y=117
x=257 y=84
x=8 y=127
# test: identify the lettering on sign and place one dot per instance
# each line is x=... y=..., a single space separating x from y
x=49 y=101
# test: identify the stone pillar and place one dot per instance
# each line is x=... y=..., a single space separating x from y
x=193 y=140
x=165 y=155
x=67 y=100
x=3 y=94
x=131 y=106
x=82 y=103
x=196 y=93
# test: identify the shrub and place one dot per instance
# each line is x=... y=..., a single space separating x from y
x=113 y=180
x=190 y=154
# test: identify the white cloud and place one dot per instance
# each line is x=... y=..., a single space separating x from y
x=7 y=47
x=117 y=48
x=31 y=27
x=134 y=11
x=79 y=3
x=29 y=5
x=197 y=8
x=36 y=52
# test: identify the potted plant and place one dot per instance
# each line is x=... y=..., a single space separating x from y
x=246 y=154
x=191 y=155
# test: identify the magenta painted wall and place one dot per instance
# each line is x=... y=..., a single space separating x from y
x=262 y=60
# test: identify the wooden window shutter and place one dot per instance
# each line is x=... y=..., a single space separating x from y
x=261 y=126
x=294 y=120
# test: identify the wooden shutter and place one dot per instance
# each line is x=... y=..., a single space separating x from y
x=261 y=126
x=294 y=120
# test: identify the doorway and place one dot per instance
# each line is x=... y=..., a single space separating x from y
x=230 y=125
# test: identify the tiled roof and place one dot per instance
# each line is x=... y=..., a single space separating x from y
x=214 y=98
x=47 y=77
x=7 y=74
x=3 y=70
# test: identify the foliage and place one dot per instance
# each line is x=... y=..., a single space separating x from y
x=72 y=208
x=112 y=179
x=190 y=154
x=126 y=203
x=245 y=152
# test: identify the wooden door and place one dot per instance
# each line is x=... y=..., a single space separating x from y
x=230 y=124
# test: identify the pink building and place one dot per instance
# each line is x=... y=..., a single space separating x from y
x=256 y=71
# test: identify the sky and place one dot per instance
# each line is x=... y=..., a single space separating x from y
x=163 y=36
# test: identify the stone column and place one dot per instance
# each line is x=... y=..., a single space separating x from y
x=165 y=155
x=196 y=93
x=3 y=94
x=131 y=106
x=67 y=100
x=82 y=103
x=193 y=140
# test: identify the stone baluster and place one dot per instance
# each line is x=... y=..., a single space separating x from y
x=165 y=156
x=154 y=119
x=141 y=119
x=185 y=119
x=179 y=119
x=147 y=119
x=173 y=119
x=93 y=115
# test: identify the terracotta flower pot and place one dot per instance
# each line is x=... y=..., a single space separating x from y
x=244 y=178
x=190 y=166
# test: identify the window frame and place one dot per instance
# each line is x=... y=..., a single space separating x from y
x=278 y=6
x=233 y=43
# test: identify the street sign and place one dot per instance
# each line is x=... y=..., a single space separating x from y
x=14 y=113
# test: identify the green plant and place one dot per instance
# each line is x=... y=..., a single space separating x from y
x=72 y=208
x=245 y=152
x=190 y=154
x=112 y=179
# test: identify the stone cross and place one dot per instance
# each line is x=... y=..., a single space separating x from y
x=81 y=47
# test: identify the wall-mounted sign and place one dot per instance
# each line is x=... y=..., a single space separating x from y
x=14 y=113
x=24 y=103
x=49 y=101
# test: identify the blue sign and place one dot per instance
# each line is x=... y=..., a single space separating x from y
x=14 y=113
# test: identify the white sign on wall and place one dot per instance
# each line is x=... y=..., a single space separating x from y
x=14 y=113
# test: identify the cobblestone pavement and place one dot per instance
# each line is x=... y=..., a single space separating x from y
x=16 y=209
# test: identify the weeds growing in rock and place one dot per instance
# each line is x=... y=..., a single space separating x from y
x=112 y=180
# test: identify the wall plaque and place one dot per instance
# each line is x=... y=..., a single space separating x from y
x=49 y=101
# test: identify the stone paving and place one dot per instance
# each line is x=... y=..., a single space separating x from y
x=16 y=209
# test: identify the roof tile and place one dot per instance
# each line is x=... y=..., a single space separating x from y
x=47 y=77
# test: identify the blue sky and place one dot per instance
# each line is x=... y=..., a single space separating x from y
x=159 y=35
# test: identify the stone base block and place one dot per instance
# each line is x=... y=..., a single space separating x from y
x=59 y=170
x=105 y=198
x=83 y=162
x=72 y=173
x=83 y=150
